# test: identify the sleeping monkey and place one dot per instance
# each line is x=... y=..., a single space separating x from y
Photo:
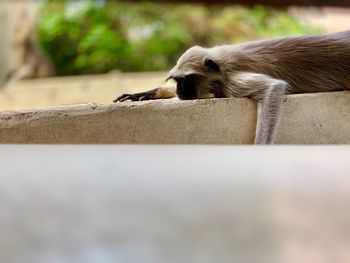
x=262 y=70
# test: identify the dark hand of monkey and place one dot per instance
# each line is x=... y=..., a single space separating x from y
x=148 y=95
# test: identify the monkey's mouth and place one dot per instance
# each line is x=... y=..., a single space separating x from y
x=183 y=96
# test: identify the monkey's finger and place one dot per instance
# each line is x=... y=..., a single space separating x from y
x=119 y=98
x=124 y=97
x=145 y=97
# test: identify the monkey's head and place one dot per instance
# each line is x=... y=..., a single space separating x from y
x=197 y=75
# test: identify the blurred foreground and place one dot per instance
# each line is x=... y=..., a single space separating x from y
x=174 y=204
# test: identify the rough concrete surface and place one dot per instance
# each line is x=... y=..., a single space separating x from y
x=306 y=119
x=318 y=118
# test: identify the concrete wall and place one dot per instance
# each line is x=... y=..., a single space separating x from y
x=321 y=118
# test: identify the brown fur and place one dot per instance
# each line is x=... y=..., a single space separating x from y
x=265 y=71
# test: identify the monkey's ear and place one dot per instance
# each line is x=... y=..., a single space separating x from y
x=211 y=65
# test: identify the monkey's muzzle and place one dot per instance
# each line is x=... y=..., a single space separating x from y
x=186 y=87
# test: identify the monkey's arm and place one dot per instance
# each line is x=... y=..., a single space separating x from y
x=269 y=94
x=167 y=91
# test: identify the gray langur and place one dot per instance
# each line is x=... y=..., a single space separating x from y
x=262 y=70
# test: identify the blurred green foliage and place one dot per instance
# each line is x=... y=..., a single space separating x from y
x=96 y=36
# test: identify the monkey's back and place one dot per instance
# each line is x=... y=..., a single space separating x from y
x=307 y=63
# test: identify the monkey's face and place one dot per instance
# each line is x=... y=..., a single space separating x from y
x=197 y=76
x=186 y=86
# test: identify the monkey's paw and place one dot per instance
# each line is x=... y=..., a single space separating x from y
x=148 y=95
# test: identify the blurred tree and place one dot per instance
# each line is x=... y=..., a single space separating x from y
x=96 y=36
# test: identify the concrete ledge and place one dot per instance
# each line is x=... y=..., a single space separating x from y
x=322 y=118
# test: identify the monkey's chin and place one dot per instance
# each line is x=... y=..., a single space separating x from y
x=182 y=96
x=206 y=96
x=210 y=96
x=197 y=98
